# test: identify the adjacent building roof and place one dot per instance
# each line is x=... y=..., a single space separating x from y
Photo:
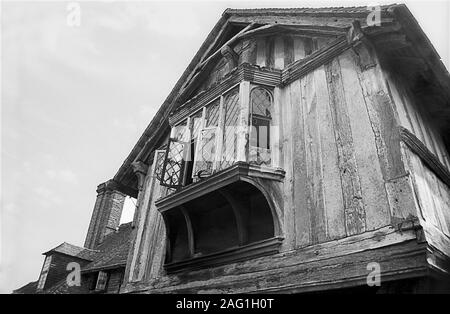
x=110 y=254
x=29 y=288
x=72 y=250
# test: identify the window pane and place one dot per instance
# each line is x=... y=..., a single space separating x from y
x=101 y=281
x=173 y=164
x=261 y=111
x=231 y=107
x=44 y=272
x=181 y=132
x=196 y=121
x=213 y=113
x=206 y=152
x=261 y=102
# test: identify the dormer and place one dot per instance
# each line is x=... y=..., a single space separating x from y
x=54 y=268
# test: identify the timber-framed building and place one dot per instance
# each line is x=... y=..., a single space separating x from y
x=298 y=147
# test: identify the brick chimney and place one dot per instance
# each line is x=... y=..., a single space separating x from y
x=106 y=215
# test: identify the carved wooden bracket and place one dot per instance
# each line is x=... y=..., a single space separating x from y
x=230 y=55
x=355 y=34
x=109 y=185
x=361 y=45
x=140 y=170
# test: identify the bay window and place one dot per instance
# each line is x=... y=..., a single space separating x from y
x=211 y=138
x=218 y=172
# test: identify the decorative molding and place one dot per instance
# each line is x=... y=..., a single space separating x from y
x=112 y=185
x=140 y=170
x=230 y=55
x=244 y=72
x=355 y=33
x=425 y=155
x=253 y=250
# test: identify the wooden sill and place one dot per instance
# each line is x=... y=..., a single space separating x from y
x=236 y=254
x=216 y=181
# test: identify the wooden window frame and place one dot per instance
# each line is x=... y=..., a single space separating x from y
x=44 y=273
x=103 y=287
x=218 y=143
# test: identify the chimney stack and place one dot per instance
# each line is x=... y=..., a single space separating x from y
x=106 y=215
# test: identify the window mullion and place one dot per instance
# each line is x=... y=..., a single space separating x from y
x=220 y=132
x=187 y=151
x=198 y=140
x=243 y=121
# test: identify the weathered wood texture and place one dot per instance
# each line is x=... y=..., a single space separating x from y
x=433 y=197
x=413 y=116
x=334 y=180
x=275 y=51
x=318 y=267
x=114 y=281
x=147 y=252
x=427 y=160
x=345 y=179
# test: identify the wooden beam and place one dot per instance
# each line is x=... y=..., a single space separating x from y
x=203 y=62
x=238 y=210
x=229 y=42
x=190 y=230
x=329 y=265
x=430 y=159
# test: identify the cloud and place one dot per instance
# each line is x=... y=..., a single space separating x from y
x=154 y=17
x=47 y=197
x=63 y=175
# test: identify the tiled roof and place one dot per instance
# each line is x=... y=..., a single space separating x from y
x=113 y=251
x=29 y=288
x=318 y=10
x=71 y=250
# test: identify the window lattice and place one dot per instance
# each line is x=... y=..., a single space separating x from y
x=207 y=152
x=196 y=122
x=101 y=281
x=174 y=164
x=182 y=132
x=261 y=107
x=213 y=113
x=231 y=107
x=159 y=163
x=261 y=102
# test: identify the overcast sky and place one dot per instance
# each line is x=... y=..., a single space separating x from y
x=75 y=100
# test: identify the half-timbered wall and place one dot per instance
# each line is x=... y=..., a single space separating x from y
x=337 y=139
x=429 y=166
x=413 y=116
x=334 y=185
x=276 y=51
x=147 y=252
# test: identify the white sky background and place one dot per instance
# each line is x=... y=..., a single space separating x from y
x=76 y=99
